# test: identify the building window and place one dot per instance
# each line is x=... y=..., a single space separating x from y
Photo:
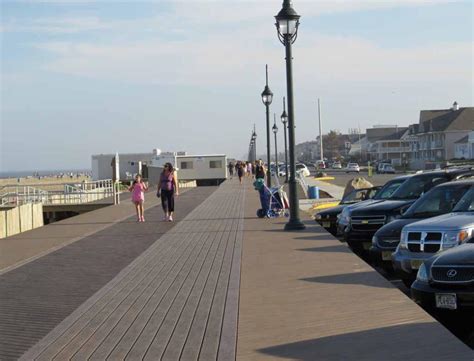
x=213 y=164
x=186 y=165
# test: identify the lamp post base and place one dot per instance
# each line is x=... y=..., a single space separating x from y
x=294 y=225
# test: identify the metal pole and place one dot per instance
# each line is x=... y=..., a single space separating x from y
x=286 y=154
x=267 y=107
x=320 y=132
x=294 y=222
x=276 y=147
x=269 y=173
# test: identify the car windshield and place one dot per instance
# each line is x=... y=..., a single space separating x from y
x=438 y=201
x=414 y=187
x=466 y=204
x=300 y=166
x=355 y=196
x=389 y=188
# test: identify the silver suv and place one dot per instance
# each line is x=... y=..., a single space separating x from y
x=420 y=240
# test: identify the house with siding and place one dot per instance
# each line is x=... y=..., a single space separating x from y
x=437 y=133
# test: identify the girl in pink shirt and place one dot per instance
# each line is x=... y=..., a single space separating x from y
x=138 y=189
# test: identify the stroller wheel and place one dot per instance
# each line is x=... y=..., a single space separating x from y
x=261 y=213
x=271 y=213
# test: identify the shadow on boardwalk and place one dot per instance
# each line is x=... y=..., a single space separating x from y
x=368 y=345
x=357 y=278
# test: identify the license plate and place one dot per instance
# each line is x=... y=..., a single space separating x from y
x=366 y=245
x=416 y=263
x=326 y=224
x=386 y=255
x=446 y=300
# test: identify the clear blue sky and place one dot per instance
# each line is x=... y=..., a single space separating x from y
x=83 y=77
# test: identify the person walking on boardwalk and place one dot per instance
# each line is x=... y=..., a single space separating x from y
x=138 y=189
x=231 y=169
x=240 y=170
x=249 y=169
x=167 y=189
x=260 y=170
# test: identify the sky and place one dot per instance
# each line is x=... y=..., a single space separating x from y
x=87 y=77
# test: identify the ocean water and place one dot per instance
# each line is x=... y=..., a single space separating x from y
x=26 y=173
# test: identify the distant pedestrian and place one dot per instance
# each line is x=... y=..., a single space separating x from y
x=167 y=189
x=260 y=170
x=231 y=169
x=249 y=169
x=240 y=170
x=138 y=189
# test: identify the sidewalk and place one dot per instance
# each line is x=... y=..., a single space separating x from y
x=306 y=296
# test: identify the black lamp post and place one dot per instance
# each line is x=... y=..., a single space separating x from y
x=287 y=22
x=254 y=137
x=284 y=120
x=275 y=131
x=267 y=97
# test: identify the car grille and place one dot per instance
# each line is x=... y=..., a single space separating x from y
x=458 y=274
x=367 y=223
x=428 y=242
x=391 y=243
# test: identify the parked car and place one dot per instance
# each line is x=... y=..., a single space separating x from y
x=352 y=167
x=282 y=170
x=446 y=280
x=387 y=169
x=300 y=167
x=359 y=225
x=439 y=200
x=380 y=167
x=337 y=165
x=421 y=240
x=328 y=217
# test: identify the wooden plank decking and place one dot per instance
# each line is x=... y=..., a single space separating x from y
x=223 y=285
x=178 y=300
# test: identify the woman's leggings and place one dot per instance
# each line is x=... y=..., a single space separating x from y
x=167 y=200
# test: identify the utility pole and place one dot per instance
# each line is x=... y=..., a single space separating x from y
x=320 y=132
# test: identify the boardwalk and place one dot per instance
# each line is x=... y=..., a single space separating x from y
x=217 y=285
x=177 y=300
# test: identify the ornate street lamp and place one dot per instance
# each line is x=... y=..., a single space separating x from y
x=254 y=137
x=287 y=22
x=284 y=120
x=275 y=131
x=267 y=97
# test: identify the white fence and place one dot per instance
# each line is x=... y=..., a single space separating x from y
x=78 y=193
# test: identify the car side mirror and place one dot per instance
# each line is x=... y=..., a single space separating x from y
x=403 y=210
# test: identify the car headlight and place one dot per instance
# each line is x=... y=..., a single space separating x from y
x=374 y=241
x=344 y=216
x=317 y=216
x=393 y=217
x=422 y=274
x=403 y=240
x=454 y=238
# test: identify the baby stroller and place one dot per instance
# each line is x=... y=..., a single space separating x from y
x=273 y=200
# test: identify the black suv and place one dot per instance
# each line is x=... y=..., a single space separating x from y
x=446 y=280
x=360 y=224
x=439 y=200
x=328 y=217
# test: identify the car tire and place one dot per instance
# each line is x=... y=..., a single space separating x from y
x=407 y=282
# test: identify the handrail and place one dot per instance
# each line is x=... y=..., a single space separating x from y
x=82 y=192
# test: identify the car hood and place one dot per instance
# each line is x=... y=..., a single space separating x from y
x=364 y=203
x=381 y=207
x=445 y=222
x=461 y=255
x=394 y=228
x=334 y=211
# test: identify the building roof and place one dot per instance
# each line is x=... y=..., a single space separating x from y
x=446 y=120
x=395 y=136
x=463 y=140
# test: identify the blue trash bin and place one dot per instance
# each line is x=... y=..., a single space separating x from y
x=313 y=192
